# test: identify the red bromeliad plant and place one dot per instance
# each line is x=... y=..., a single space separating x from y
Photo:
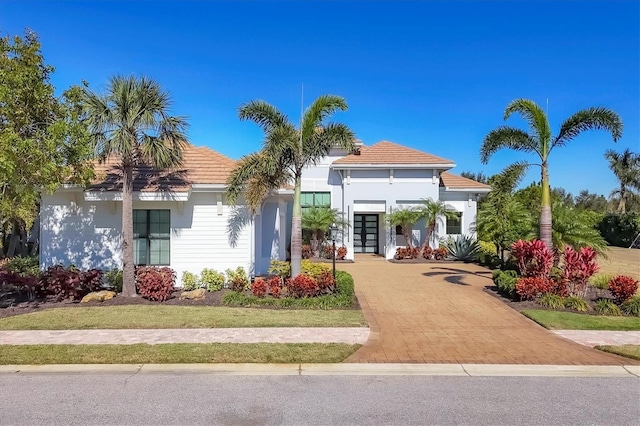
x=623 y=288
x=579 y=266
x=533 y=258
x=529 y=288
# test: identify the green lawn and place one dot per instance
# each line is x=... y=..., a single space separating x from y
x=629 y=351
x=555 y=320
x=140 y=316
x=177 y=353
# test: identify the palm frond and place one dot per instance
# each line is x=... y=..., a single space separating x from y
x=536 y=118
x=324 y=138
x=589 y=119
x=508 y=179
x=322 y=108
x=247 y=168
x=263 y=114
x=506 y=137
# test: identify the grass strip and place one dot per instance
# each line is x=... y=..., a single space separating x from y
x=177 y=353
x=629 y=351
x=144 y=316
x=556 y=320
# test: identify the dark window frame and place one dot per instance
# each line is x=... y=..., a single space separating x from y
x=456 y=226
x=148 y=237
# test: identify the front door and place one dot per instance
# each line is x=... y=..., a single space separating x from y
x=365 y=233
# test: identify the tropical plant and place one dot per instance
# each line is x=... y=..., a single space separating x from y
x=528 y=288
x=579 y=266
x=620 y=229
x=573 y=227
x=189 y=281
x=590 y=201
x=286 y=151
x=405 y=218
x=606 y=307
x=211 y=279
x=237 y=279
x=632 y=306
x=533 y=258
x=576 y=303
x=540 y=141
x=551 y=301
x=623 y=288
x=506 y=281
x=319 y=220
x=464 y=248
x=433 y=212
x=626 y=167
x=131 y=121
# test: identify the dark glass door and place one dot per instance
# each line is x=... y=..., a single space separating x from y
x=365 y=233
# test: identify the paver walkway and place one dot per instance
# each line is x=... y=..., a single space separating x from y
x=600 y=337
x=439 y=313
x=349 y=335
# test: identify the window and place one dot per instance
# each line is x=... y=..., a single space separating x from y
x=315 y=199
x=398 y=229
x=151 y=237
x=454 y=224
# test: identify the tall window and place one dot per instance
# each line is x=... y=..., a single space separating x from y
x=454 y=225
x=315 y=199
x=151 y=237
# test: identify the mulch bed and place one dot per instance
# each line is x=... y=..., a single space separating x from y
x=420 y=260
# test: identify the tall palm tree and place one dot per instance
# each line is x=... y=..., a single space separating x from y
x=131 y=121
x=626 y=167
x=286 y=150
x=541 y=142
x=433 y=212
x=318 y=220
x=405 y=218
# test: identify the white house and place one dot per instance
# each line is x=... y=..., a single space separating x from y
x=183 y=220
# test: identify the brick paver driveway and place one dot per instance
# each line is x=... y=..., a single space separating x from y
x=439 y=313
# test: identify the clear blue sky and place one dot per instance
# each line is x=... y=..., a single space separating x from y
x=432 y=75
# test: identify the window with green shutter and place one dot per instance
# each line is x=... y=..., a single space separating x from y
x=151 y=237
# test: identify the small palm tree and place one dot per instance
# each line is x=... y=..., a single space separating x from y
x=405 y=218
x=626 y=167
x=319 y=220
x=540 y=142
x=286 y=151
x=573 y=228
x=433 y=212
x=131 y=121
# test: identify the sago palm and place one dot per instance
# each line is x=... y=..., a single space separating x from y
x=405 y=218
x=131 y=121
x=433 y=212
x=539 y=141
x=286 y=151
x=319 y=220
x=626 y=167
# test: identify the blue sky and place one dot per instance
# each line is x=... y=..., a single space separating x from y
x=432 y=75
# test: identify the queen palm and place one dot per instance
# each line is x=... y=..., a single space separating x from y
x=626 y=167
x=319 y=220
x=540 y=141
x=286 y=151
x=131 y=121
x=433 y=212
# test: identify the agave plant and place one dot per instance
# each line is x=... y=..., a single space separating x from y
x=464 y=248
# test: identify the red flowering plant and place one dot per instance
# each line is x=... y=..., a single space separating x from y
x=579 y=266
x=623 y=288
x=534 y=259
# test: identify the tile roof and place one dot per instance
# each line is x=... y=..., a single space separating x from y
x=201 y=165
x=449 y=180
x=385 y=152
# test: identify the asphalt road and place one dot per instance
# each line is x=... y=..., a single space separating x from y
x=164 y=399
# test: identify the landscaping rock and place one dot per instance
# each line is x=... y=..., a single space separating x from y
x=98 y=296
x=194 y=294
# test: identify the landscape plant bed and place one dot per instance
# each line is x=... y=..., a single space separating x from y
x=557 y=320
x=166 y=316
x=177 y=353
x=325 y=260
x=420 y=260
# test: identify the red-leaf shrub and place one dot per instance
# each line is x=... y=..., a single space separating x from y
x=328 y=252
x=406 y=253
x=533 y=258
x=623 y=288
x=440 y=253
x=29 y=284
x=579 y=266
x=155 y=283
x=341 y=253
x=70 y=283
x=307 y=252
x=302 y=286
x=531 y=287
x=275 y=286
x=326 y=282
x=259 y=287
x=427 y=252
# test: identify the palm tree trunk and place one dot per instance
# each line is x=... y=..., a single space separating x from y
x=407 y=237
x=296 y=230
x=128 y=268
x=622 y=205
x=545 y=212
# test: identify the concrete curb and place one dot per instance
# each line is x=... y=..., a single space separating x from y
x=470 y=370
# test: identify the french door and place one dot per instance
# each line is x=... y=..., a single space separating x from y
x=365 y=233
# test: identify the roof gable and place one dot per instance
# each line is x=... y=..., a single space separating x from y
x=385 y=152
x=449 y=180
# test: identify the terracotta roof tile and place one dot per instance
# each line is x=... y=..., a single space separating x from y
x=385 y=152
x=449 y=180
x=201 y=165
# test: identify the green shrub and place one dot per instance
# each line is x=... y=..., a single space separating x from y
x=576 y=303
x=189 y=281
x=506 y=281
x=238 y=279
x=600 y=281
x=211 y=279
x=464 y=248
x=487 y=248
x=619 y=229
x=551 y=301
x=632 y=306
x=24 y=266
x=280 y=267
x=314 y=269
x=114 y=279
x=607 y=307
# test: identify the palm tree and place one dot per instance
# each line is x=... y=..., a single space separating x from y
x=626 y=167
x=574 y=228
x=540 y=142
x=285 y=152
x=131 y=121
x=405 y=218
x=318 y=220
x=433 y=212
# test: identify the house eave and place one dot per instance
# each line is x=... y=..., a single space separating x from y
x=137 y=196
x=475 y=190
x=439 y=166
